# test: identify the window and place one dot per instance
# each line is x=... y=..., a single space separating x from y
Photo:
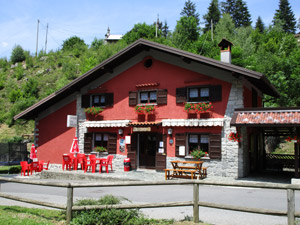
x=198 y=94
x=100 y=139
x=148 y=97
x=98 y=100
x=198 y=141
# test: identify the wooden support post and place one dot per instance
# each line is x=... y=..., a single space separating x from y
x=196 y=203
x=69 y=204
x=296 y=146
x=291 y=206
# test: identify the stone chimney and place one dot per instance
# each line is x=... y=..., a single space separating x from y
x=225 y=50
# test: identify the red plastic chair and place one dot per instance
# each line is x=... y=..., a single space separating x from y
x=67 y=162
x=81 y=160
x=90 y=164
x=106 y=162
x=25 y=167
x=34 y=167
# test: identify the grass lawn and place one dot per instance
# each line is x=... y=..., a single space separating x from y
x=21 y=215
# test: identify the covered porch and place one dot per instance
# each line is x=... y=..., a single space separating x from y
x=257 y=125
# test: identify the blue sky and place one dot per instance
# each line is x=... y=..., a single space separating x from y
x=90 y=18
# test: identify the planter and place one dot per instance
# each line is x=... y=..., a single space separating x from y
x=92 y=117
x=103 y=154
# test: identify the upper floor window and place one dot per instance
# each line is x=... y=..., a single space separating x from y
x=198 y=141
x=98 y=100
x=148 y=97
x=198 y=94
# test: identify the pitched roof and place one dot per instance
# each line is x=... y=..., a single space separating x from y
x=258 y=79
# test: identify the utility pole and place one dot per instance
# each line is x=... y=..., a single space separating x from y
x=46 y=39
x=212 y=29
x=37 y=37
x=156 y=27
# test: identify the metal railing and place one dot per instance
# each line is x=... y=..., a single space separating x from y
x=69 y=207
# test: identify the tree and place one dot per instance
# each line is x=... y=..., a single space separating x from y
x=238 y=11
x=213 y=15
x=17 y=54
x=140 y=30
x=73 y=42
x=225 y=28
x=186 y=32
x=189 y=10
x=165 y=30
x=259 y=25
x=97 y=43
x=286 y=15
x=242 y=17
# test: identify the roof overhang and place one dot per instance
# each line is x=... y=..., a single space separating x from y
x=124 y=55
x=273 y=121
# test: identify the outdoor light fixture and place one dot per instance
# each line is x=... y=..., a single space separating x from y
x=121 y=132
x=170 y=131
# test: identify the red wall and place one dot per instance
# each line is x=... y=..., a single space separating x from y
x=248 y=98
x=169 y=77
x=55 y=138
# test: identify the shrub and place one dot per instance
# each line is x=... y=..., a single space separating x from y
x=14 y=169
x=17 y=54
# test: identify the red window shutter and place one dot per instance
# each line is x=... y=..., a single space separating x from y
x=215 y=93
x=181 y=95
x=215 y=151
x=180 y=140
x=162 y=97
x=85 y=101
x=133 y=98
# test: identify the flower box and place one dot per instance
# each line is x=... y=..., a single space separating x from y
x=91 y=117
x=145 y=109
x=201 y=107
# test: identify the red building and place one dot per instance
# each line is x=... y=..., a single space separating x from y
x=160 y=80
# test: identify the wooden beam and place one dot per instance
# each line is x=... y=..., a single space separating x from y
x=296 y=148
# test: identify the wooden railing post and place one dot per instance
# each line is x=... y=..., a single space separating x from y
x=69 y=204
x=291 y=206
x=196 y=203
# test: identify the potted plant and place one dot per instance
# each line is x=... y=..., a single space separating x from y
x=100 y=150
x=93 y=112
x=198 y=154
x=197 y=107
x=145 y=109
x=234 y=137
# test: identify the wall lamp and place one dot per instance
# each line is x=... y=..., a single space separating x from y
x=170 y=132
x=120 y=131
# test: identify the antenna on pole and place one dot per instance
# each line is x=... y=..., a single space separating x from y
x=46 y=39
x=37 y=37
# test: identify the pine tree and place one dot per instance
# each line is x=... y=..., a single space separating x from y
x=213 y=15
x=165 y=30
x=259 y=25
x=190 y=10
x=242 y=17
x=238 y=11
x=286 y=16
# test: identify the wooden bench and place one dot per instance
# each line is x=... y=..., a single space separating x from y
x=187 y=172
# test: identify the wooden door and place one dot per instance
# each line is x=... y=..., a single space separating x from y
x=132 y=151
x=161 y=158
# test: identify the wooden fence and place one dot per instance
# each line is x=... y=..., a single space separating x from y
x=290 y=188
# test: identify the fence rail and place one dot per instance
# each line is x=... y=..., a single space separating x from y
x=290 y=188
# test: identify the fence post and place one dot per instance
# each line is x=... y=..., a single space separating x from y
x=291 y=206
x=69 y=203
x=196 y=201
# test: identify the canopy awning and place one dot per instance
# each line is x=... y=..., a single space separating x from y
x=107 y=123
x=144 y=124
x=274 y=121
x=215 y=122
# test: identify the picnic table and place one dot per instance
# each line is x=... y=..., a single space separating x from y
x=186 y=169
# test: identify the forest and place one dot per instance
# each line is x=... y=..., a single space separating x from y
x=273 y=50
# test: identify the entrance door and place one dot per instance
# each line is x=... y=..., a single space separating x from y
x=148 y=145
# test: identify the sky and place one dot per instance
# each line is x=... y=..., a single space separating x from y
x=88 y=19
